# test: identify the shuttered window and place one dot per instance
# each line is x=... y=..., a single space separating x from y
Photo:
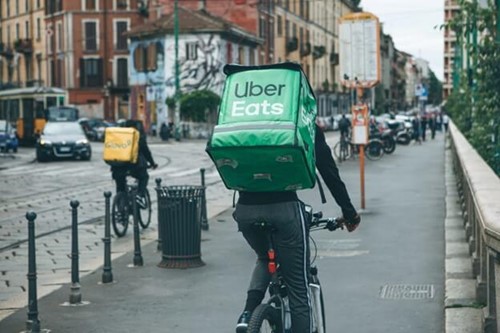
x=90 y=36
x=121 y=40
x=122 y=72
x=91 y=73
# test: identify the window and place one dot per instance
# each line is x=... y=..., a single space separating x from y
x=287 y=28
x=121 y=4
x=151 y=57
x=90 y=36
x=262 y=27
x=59 y=41
x=38 y=29
x=122 y=72
x=27 y=27
x=90 y=5
x=121 y=40
x=280 y=26
x=17 y=31
x=90 y=73
x=241 y=55
x=53 y=6
x=27 y=6
x=191 y=51
x=8 y=8
x=140 y=58
x=17 y=7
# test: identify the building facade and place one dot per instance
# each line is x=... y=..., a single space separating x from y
x=22 y=44
x=88 y=53
x=451 y=7
x=205 y=44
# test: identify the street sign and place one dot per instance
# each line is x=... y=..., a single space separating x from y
x=359 y=50
x=360 y=124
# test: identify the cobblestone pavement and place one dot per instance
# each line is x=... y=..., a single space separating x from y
x=48 y=188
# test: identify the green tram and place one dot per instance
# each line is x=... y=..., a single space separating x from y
x=28 y=109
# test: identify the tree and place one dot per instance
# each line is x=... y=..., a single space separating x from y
x=199 y=106
x=435 y=90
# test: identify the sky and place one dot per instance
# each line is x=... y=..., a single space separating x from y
x=414 y=27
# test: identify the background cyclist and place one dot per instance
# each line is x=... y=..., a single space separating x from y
x=285 y=212
x=344 y=126
x=138 y=170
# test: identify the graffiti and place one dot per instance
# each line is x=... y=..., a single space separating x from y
x=204 y=72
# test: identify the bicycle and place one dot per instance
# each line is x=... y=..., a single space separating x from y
x=274 y=316
x=344 y=150
x=122 y=210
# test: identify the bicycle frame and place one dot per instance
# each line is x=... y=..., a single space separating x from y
x=277 y=288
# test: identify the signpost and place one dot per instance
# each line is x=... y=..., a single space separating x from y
x=360 y=69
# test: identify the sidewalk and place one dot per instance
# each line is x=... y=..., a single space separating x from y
x=388 y=276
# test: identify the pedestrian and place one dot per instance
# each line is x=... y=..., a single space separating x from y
x=416 y=128
x=153 y=129
x=423 y=126
x=290 y=236
x=446 y=120
x=164 y=132
x=432 y=125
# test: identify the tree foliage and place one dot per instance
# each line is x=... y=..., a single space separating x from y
x=199 y=106
x=474 y=103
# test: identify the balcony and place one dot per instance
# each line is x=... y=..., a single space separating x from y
x=318 y=52
x=334 y=59
x=6 y=51
x=305 y=49
x=24 y=46
x=292 y=44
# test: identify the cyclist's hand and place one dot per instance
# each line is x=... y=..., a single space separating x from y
x=154 y=166
x=352 y=223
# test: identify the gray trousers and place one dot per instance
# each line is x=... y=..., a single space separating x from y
x=291 y=243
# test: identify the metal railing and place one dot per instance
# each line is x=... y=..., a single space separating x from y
x=479 y=194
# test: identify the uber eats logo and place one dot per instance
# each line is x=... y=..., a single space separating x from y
x=246 y=92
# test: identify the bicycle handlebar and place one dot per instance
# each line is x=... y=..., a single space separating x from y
x=330 y=223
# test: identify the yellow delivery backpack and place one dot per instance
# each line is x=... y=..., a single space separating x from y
x=121 y=146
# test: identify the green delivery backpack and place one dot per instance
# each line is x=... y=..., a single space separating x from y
x=264 y=137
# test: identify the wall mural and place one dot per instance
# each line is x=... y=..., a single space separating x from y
x=203 y=72
x=152 y=66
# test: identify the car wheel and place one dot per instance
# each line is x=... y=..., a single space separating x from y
x=88 y=156
x=40 y=157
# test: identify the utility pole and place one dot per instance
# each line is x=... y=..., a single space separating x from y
x=497 y=5
x=177 y=83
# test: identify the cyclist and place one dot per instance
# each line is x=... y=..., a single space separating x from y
x=138 y=170
x=285 y=212
x=344 y=126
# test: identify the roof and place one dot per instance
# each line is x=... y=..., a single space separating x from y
x=191 y=21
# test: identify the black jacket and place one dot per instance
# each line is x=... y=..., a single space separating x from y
x=328 y=171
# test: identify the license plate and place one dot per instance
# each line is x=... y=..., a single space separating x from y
x=65 y=149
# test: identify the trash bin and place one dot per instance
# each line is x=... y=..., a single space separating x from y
x=179 y=225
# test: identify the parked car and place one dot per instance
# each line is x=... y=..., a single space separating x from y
x=8 y=137
x=94 y=128
x=63 y=140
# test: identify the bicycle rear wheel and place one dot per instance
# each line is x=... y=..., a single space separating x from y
x=265 y=319
x=145 y=213
x=374 y=150
x=120 y=214
x=318 y=306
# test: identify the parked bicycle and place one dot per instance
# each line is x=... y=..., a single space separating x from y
x=274 y=316
x=346 y=149
x=123 y=210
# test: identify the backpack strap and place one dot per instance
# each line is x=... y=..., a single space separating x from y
x=321 y=192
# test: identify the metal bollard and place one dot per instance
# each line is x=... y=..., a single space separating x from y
x=204 y=220
x=76 y=296
x=137 y=240
x=160 y=215
x=107 y=275
x=33 y=324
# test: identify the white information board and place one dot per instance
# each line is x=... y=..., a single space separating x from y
x=359 y=36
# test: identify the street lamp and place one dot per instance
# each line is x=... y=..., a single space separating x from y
x=177 y=119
